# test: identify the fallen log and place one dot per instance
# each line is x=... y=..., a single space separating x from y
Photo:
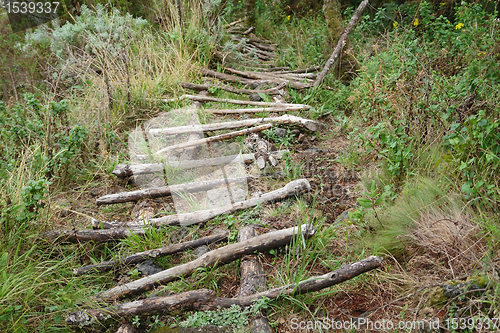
x=275 y=69
x=252 y=280
x=294 y=83
x=213 y=258
x=214 y=138
x=127 y=170
x=204 y=300
x=200 y=87
x=226 y=77
x=232 y=101
x=258 y=110
x=294 y=187
x=233 y=23
x=156 y=253
x=305 y=70
x=285 y=119
x=163 y=191
x=340 y=44
x=264 y=47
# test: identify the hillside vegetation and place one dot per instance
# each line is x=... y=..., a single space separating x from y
x=410 y=170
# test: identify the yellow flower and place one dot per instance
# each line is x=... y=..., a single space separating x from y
x=288 y=17
x=415 y=23
x=395 y=25
x=443 y=3
x=459 y=26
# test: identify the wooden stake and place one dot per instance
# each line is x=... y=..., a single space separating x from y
x=150 y=254
x=205 y=300
x=216 y=257
x=252 y=280
x=342 y=41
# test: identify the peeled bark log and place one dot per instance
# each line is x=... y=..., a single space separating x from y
x=257 y=110
x=285 y=119
x=163 y=191
x=205 y=300
x=233 y=101
x=216 y=257
x=271 y=91
x=214 y=138
x=294 y=187
x=127 y=170
x=340 y=44
x=156 y=253
x=294 y=83
x=252 y=280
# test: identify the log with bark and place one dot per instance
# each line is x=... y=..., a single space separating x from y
x=295 y=187
x=340 y=44
x=213 y=138
x=200 y=87
x=293 y=82
x=252 y=280
x=127 y=170
x=226 y=77
x=163 y=191
x=204 y=299
x=150 y=254
x=285 y=119
x=213 y=258
x=234 y=101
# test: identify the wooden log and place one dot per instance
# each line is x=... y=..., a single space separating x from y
x=233 y=101
x=267 y=76
x=204 y=299
x=126 y=328
x=252 y=280
x=342 y=41
x=284 y=119
x=294 y=187
x=163 y=191
x=127 y=170
x=150 y=254
x=214 y=138
x=198 y=87
x=188 y=154
x=264 y=47
x=213 y=258
x=304 y=70
x=258 y=110
x=249 y=30
x=226 y=77
x=275 y=69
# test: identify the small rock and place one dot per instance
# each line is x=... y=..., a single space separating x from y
x=295 y=132
x=280 y=132
x=178 y=235
x=201 y=250
x=94 y=192
x=148 y=267
x=218 y=231
x=301 y=137
x=255 y=97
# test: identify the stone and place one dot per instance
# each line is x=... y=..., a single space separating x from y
x=255 y=97
x=280 y=132
x=148 y=267
x=201 y=250
x=178 y=235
